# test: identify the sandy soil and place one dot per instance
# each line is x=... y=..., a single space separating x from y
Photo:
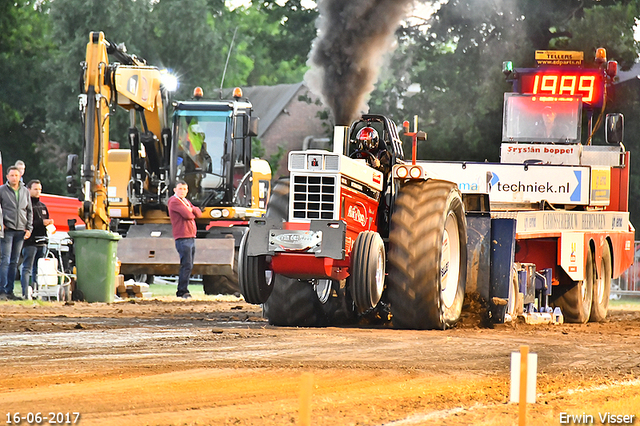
x=218 y=362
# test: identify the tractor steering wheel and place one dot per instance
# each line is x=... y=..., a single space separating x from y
x=358 y=154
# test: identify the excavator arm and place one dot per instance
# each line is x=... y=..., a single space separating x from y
x=136 y=87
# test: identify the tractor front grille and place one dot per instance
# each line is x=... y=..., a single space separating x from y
x=314 y=197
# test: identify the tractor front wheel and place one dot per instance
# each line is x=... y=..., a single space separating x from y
x=367 y=270
x=254 y=279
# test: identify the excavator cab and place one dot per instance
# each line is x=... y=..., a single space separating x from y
x=212 y=153
x=200 y=152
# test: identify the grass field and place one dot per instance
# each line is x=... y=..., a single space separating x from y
x=169 y=289
x=626 y=302
x=159 y=288
x=163 y=287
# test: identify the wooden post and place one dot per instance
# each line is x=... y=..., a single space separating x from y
x=306 y=389
x=524 y=355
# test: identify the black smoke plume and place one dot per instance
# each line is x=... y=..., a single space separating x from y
x=353 y=36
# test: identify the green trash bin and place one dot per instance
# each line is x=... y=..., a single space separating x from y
x=95 y=252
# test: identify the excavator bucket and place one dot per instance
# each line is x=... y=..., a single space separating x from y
x=158 y=256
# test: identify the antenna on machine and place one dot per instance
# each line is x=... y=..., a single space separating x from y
x=224 y=72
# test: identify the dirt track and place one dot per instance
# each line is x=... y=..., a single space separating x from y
x=169 y=362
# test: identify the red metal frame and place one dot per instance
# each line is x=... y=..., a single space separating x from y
x=619 y=195
x=359 y=212
x=545 y=252
x=307 y=266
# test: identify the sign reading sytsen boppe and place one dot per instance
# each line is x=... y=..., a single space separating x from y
x=516 y=183
x=543 y=153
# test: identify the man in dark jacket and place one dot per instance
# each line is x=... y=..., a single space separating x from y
x=35 y=246
x=17 y=216
x=183 y=216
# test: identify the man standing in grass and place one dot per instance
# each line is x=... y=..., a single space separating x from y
x=34 y=247
x=17 y=215
x=183 y=216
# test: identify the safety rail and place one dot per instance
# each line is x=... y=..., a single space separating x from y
x=629 y=282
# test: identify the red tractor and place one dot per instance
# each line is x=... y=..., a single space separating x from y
x=355 y=232
x=541 y=234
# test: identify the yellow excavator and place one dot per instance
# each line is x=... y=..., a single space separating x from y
x=207 y=144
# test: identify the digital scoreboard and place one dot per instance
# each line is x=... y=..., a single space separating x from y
x=588 y=83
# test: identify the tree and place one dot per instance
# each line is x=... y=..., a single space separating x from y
x=456 y=59
x=276 y=39
x=24 y=46
x=195 y=49
x=122 y=21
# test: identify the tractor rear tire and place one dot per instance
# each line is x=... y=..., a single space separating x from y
x=575 y=302
x=278 y=205
x=338 y=307
x=294 y=303
x=427 y=256
x=220 y=284
x=309 y=303
x=602 y=288
x=367 y=270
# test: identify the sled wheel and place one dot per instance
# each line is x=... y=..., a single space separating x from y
x=294 y=303
x=575 y=302
x=427 y=256
x=255 y=281
x=367 y=270
x=602 y=288
x=222 y=284
x=144 y=278
x=514 y=289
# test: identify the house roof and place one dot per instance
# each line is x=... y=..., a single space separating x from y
x=268 y=101
x=633 y=74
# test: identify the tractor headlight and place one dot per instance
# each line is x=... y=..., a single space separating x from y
x=402 y=172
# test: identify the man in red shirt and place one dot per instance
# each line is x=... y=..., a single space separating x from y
x=183 y=216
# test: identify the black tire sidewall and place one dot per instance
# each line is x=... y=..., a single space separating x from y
x=575 y=308
x=367 y=248
x=599 y=310
x=415 y=255
x=450 y=315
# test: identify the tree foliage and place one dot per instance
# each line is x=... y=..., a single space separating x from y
x=24 y=46
x=43 y=42
x=456 y=59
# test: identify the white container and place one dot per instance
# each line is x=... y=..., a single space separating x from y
x=47 y=272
